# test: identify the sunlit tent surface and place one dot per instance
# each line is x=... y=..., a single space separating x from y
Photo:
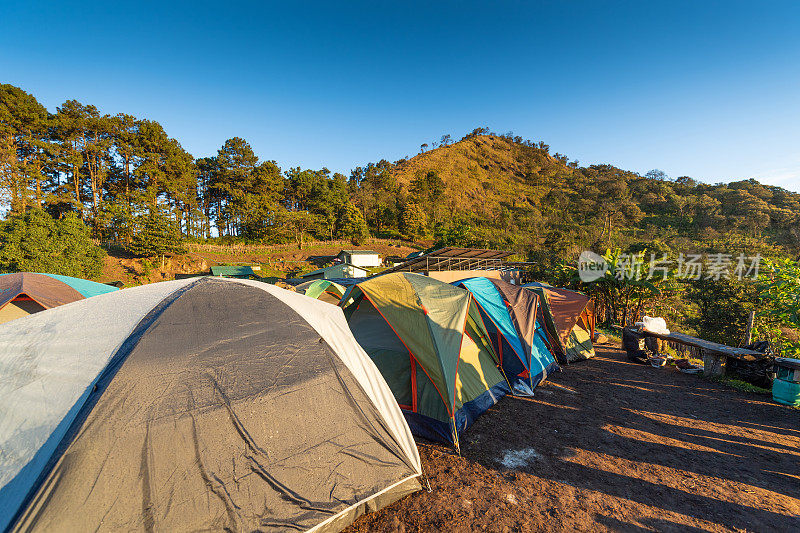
x=199 y=404
x=25 y=293
x=429 y=342
x=322 y=289
x=569 y=321
x=509 y=314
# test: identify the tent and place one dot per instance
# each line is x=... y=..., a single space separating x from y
x=25 y=293
x=322 y=289
x=569 y=321
x=509 y=313
x=428 y=340
x=197 y=404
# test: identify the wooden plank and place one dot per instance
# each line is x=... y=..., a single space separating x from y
x=709 y=346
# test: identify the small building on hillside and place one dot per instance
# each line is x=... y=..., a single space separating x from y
x=342 y=270
x=360 y=258
x=235 y=271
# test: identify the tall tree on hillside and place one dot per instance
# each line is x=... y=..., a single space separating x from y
x=235 y=161
x=706 y=211
x=256 y=201
x=305 y=188
x=69 y=132
x=206 y=170
x=319 y=194
x=338 y=198
x=657 y=175
x=413 y=221
x=124 y=131
x=23 y=146
x=352 y=225
x=180 y=187
x=158 y=235
x=374 y=189
x=295 y=225
x=166 y=174
x=97 y=158
x=85 y=140
x=614 y=204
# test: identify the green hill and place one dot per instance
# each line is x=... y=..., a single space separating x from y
x=515 y=193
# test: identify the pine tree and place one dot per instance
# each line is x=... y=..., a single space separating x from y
x=158 y=235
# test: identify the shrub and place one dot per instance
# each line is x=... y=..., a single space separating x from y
x=34 y=242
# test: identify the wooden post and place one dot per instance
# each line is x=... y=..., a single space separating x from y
x=748 y=333
x=713 y=364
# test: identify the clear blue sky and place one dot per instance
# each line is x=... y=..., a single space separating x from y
x=705 y=89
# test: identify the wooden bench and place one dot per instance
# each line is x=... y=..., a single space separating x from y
x=715 y=355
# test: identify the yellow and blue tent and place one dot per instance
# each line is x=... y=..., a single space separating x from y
x=323 y=290
x=428 y=340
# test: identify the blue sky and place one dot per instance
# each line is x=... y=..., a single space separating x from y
x=705 y=89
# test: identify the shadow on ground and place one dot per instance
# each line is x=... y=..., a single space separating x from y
x=610 y=445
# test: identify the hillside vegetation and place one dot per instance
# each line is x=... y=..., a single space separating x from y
x=509 y=192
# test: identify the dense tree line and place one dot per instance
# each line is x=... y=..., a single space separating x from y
x=118 y=173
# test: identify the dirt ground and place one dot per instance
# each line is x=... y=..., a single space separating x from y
x=278 y=259
x=607 y=445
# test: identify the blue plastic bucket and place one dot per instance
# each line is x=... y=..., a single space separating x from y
x=786 y=392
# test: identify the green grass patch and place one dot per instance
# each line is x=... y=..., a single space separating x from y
x=740 y=385
x=269 y=272
x=611 y=334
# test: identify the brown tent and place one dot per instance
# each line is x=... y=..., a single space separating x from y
x=570 y=320
x=25 y=293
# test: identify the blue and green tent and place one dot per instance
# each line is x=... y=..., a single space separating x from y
x=519 y=340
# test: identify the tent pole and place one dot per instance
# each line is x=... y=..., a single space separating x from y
x=455 y=435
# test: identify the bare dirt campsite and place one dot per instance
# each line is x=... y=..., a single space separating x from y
x=609 y=445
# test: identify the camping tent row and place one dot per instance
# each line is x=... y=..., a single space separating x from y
x=510 y=314
x=448 y=352
x=196 y=404
x=194 y=367
x=25 y=293
x=569 y=321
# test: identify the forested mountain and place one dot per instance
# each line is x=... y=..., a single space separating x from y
x=117 y=172
x=510 y=192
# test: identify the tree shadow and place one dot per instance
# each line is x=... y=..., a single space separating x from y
x=320 y=260
x=650 y=525
x=655 y=437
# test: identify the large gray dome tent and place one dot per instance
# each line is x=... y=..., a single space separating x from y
x=196 y=404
